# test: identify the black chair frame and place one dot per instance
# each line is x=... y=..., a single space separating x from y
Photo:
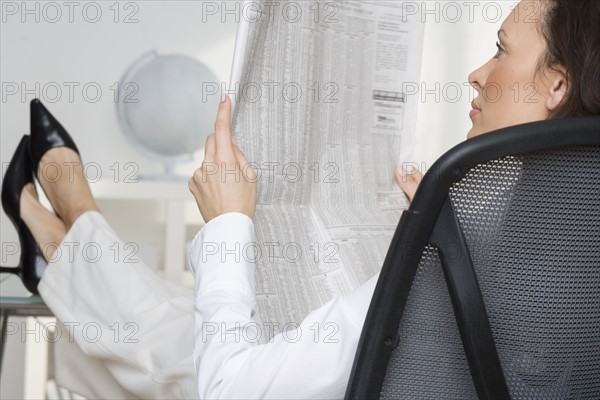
x=432 y=220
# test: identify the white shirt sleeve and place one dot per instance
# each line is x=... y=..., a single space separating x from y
x=312 y=361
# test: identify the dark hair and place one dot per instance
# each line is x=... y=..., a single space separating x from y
x=571 y=29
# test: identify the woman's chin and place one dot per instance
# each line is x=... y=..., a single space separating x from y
x=476 y=130
x=472 y=133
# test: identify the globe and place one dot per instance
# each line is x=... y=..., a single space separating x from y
x=164 y=108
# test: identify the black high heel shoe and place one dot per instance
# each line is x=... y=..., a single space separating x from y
x=46 y=133
x=19 y=174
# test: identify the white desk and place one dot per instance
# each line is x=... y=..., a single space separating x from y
x=13 y=303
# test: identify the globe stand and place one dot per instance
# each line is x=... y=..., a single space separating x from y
x=167 y=175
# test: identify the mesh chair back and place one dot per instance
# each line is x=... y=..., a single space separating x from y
x=528 y=216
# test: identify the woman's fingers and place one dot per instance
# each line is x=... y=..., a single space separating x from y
x=210 y=148
x=247 y=169
x=216 y=185
x=240 y=157
x=224 y=146
x=408 y=182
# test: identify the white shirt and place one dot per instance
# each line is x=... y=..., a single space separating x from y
x=311 y=362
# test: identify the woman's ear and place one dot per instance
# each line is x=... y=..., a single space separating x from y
x=557 y=91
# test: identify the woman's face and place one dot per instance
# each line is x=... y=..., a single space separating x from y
x=509 y=91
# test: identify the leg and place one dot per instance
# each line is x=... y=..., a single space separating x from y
x=47 y=229
x=121 y=312
x=61 y=175
x=117 y=310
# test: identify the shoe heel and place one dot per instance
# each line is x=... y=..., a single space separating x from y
x=19 y=174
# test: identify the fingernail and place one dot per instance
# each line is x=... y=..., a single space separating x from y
x=223 y=98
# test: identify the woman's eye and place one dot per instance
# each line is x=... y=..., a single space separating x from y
x=500 y=50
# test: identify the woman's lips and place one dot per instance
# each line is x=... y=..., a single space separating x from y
x=474 y=112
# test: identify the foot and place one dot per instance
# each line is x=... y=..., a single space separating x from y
x=61 y=175
x=47 y=229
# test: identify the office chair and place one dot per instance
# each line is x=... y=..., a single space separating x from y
x=491 y=286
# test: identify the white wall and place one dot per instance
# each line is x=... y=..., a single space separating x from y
x=453 y=48
x=99 y=52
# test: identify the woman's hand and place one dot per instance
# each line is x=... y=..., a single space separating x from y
x=226 y=181
x=408 y=182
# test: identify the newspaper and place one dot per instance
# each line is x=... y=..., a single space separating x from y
x=321 y=115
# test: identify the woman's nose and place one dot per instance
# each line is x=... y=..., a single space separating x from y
x=477 y=78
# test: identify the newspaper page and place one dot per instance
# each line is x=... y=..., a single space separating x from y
x=322 y=117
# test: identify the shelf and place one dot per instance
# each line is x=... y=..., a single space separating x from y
x=141 y=190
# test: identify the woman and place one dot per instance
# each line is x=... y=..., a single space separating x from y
x=557 y=49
